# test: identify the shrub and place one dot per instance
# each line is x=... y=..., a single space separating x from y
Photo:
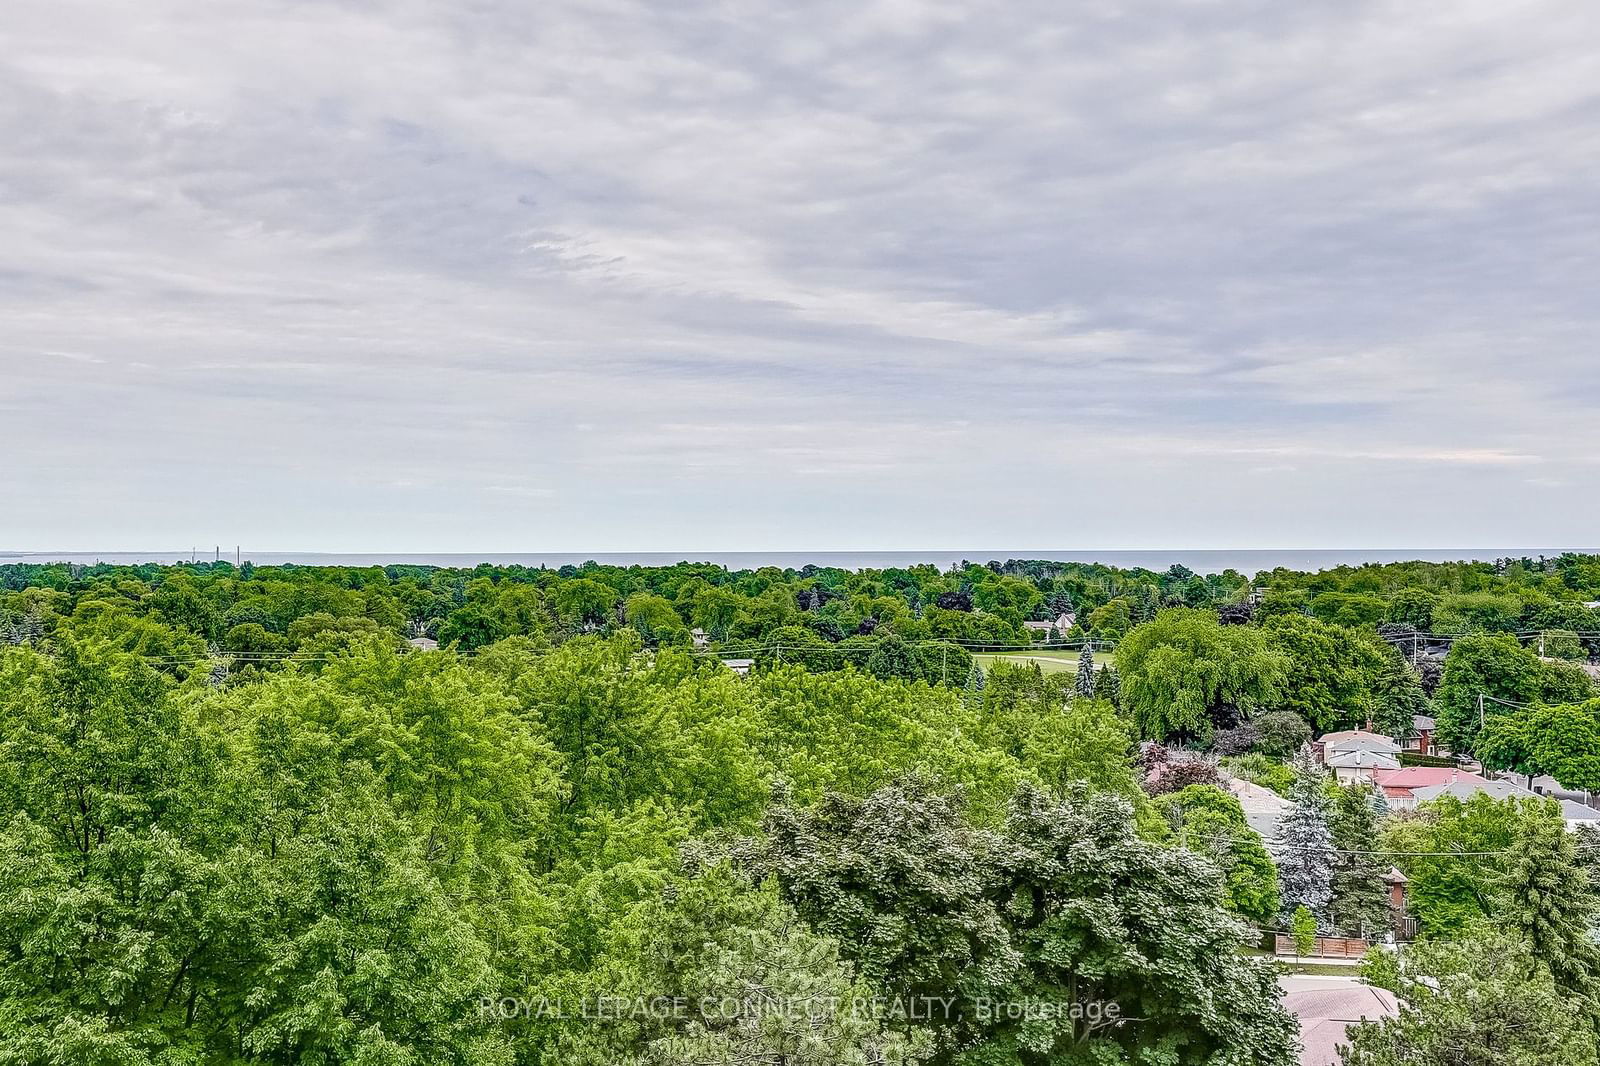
x=1282 y=733
x=1179 y=774
x=1259 y=769
x=1235 y=741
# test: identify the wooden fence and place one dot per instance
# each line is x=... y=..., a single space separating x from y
x=1326 y=947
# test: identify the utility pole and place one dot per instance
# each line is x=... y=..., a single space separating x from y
x=1480 y=710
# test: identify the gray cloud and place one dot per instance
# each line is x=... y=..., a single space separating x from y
x=614 y=275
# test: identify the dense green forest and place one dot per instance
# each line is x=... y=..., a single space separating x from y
x=244 y=819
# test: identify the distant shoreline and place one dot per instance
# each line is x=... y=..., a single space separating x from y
x=1204 y=561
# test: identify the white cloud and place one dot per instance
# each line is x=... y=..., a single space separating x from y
x=914 y=272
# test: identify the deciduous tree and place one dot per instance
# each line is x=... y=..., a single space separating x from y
x=1185 y=673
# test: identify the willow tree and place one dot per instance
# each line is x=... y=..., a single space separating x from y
x=1184 y=674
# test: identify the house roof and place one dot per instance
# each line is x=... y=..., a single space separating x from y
x=1577 y=812
x=1352 y=734
x=1343 y=746
x=1468 y=785
x=1255 y=798
x=1263 y=808
x=1363 y=759
x=1419 y=722
x=1351 y=739
x=1415 y=777
x=1546 y=785
x=1325 y=1013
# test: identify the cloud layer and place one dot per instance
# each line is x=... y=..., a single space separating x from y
x=611 y=275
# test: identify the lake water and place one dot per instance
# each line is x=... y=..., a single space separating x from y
x=1205 y=561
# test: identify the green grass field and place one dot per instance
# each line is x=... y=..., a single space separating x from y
x=1050 y=660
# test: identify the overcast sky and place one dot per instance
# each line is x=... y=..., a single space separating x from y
x=676 y=275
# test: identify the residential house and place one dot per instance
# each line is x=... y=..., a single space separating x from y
x=1420 y=738
x=739 y=666
x=699 y=637
x=1061 y=624
x=1359 y=764
x=1407 y=788
x=1352 y=739
x=1592 y=669
x=1575 y=810
x=1545 y=785
x=1263 y=808
x=1400 y=786
x=1349 y=741
x=1465 y=786
x=423 y=644
x=1578 y=814
x=1405 y=927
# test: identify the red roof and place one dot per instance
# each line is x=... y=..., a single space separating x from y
x=1422 y=777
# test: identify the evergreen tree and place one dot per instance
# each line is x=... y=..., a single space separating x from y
x=972 y=691
x=1305 y=861
x=1360 y=905
x=1085 y=683
x=219 y=666
x=1108 y=686
x=892 y=658
x=1548 y=903
x=1395 y=693
x=1144 y=608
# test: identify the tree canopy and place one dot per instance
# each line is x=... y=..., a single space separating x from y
x=247 y=815
x=1185 y=674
